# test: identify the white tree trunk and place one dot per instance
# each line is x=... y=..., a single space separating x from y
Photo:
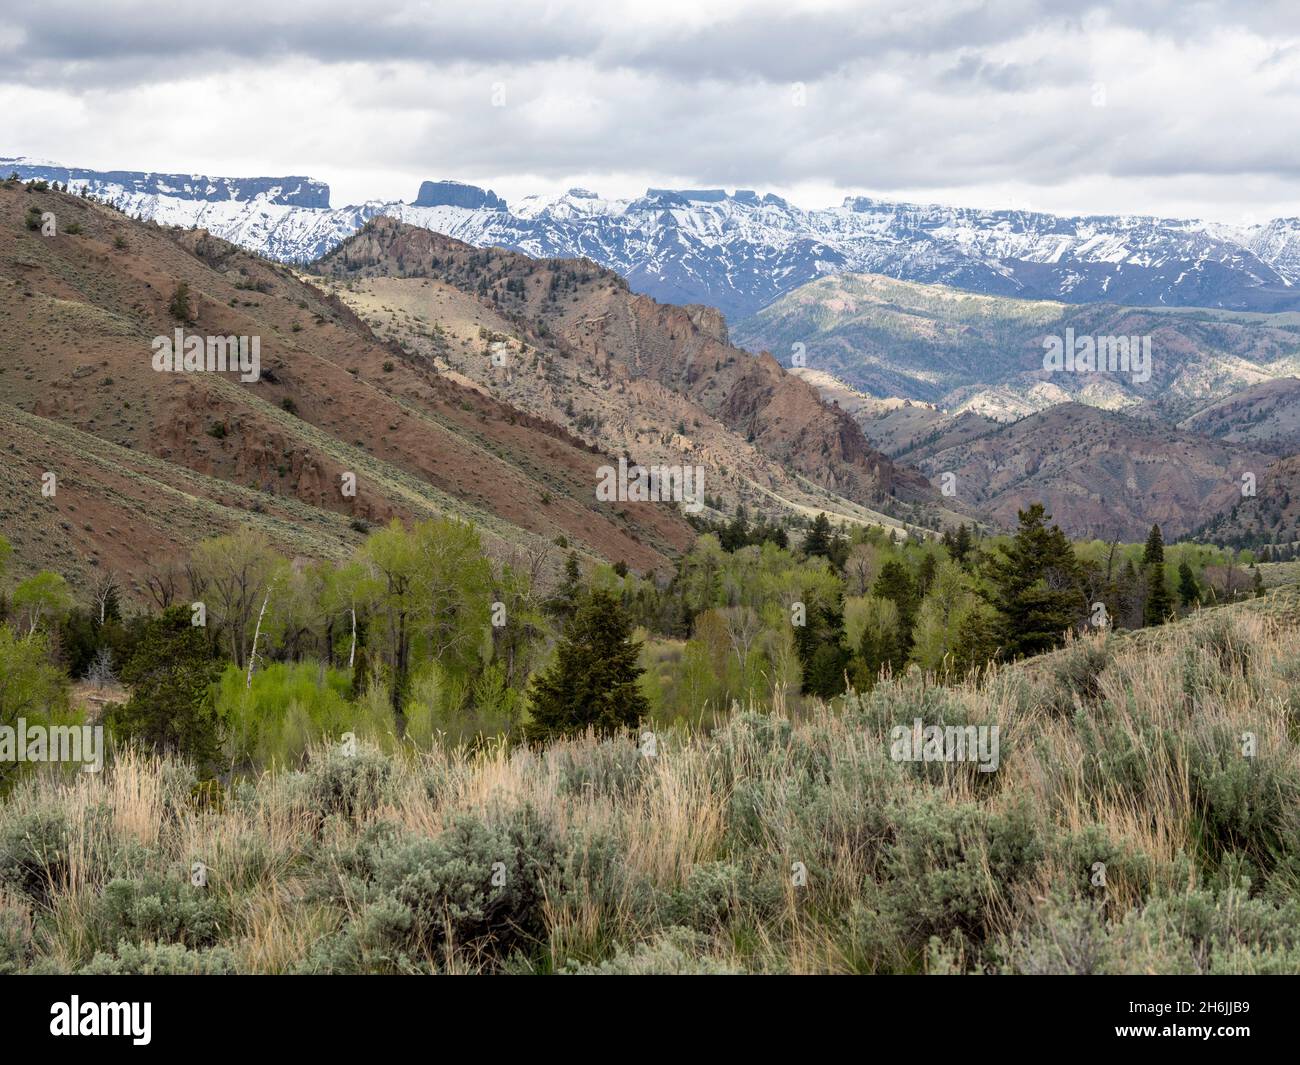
x=252 y=655
x=353 y=649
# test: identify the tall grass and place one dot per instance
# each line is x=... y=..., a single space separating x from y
x=1124 y=831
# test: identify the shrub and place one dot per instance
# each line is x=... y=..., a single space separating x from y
x=1241 y=801
x=34 y=855
x=716 y=894
x=159 y=909
x=476 y=888
x=674 y=952
x=290 y=706
x=151 y=959
x=953 y=867
x=1076 y=672
x=15 y=939
x=347 y=785
x=613 y=766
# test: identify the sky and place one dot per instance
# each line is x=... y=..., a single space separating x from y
x=1178 y=108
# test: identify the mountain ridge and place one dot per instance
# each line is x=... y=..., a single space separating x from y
x=742 y=250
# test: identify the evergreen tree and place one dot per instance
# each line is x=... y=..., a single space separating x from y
x=818 y=540
x=735 y=534
x=925 y=576
x=819 y=643
x=565 y=603
x=179 y=307
x=171 y=676
x=977 y=643
x=1036 y=585
x=593 y=680
x=1188 y=591
x=1257 y=585
x=878 y=646
x=1159 y=604
x=895 y=583
x=1128 y=596
x=1155 y=547
x=961 y=545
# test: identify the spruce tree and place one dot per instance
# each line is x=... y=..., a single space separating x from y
x=875 y=651
x=1188 y=591
x=976 y=645
x=819 y=643
x=895 y=582
x=818 y=540
x=565 y=602
x=1155 y=547
x=961 y=545
x=925 y=576
x=1037 y=587
x=593 y=680
x=1160 y=604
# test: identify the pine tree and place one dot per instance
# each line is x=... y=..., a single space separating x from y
x=1188 y=591
x=818 y=540
x=735 y=534
x=179 y=307
x=593 y=680
x=976 y=645
x=819 y=643
x=1037 y=587
x=1155 y=547
x=1159 y=604
x=961 y=545
x=875 y=651
x=894 y=582
x=565 y=603
x=1257 y=585
x=925 y=576
x=1128 y=596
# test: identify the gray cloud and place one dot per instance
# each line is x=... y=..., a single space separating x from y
x=1113 y=107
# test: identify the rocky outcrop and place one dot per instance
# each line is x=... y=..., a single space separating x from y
x=456 y=194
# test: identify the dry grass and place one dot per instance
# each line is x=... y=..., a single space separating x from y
x=1126 y=755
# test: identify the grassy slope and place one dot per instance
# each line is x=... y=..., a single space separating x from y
x=929 y=342
x=1127 y=754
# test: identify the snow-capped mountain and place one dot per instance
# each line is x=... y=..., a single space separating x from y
x=739 y=251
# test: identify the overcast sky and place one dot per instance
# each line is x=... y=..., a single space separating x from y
x=1174 y=108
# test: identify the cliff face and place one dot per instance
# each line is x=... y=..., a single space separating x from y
x=781 y=414
x=585 y=309
x=455 y=194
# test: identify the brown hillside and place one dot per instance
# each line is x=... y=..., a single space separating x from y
x=576 y=310
x=78 y=312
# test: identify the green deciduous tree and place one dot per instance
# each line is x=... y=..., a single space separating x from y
x=42 y=599
x=430 y=593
